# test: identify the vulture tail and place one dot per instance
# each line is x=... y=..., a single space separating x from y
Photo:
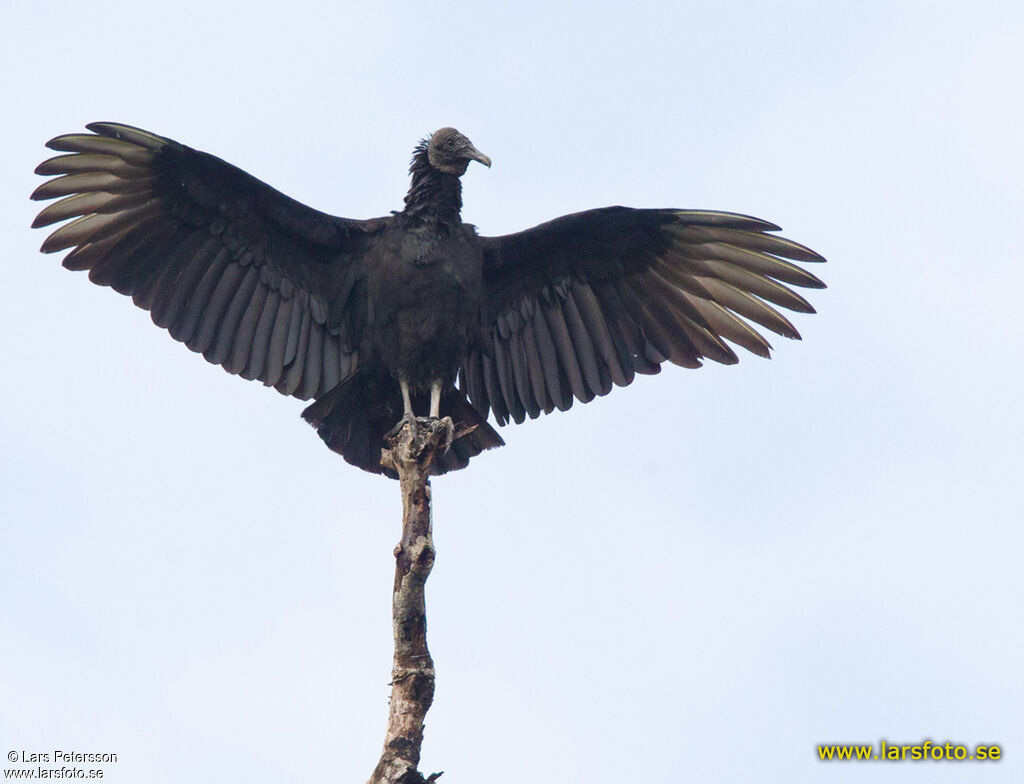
x=353 y=417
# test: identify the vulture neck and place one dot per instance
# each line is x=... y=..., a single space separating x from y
x=433 y=195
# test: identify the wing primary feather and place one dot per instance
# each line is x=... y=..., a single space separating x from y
x=350 y=363
x=192 y=321
x=86 y=256
x=597 y=328
x=649 y=330
x=759 y=285
x=215 y=307
x=228 y=330
x=95 y=227
x=100 y=269
x=749 y=306
x=653 y=357
x=475 y=387
x=279 y=341
x=295 y=327
x=616 y=333
x=161 y=299
x=681 y=272
x=566 y=353
x=126 y=263
x=313 y=367
x=661 y=328
x=246 y=333
x=715 y=218
x=730 y=326
x=90 y=202
x=143 y=269
x=754 y=261
x=561 y=396
x=689 y=319
x=331 y=363
x=622 y=330
x=584 y=345
x=780 y=246
x=73 y=206
x=128 y=133
x=261 y=339
x=535 y=369
x=293 y=375
x=713 y=290
x=494 y=394
x=91 y=181
x=627 y=328
x=188 y=286
x=503 y=365
x=672 y=330
x=521 y=374
x=86 y=143
x=77 y=163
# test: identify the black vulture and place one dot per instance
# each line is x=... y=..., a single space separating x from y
x=413 y=312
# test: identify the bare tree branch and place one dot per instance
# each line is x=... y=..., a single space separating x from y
x=410 y=451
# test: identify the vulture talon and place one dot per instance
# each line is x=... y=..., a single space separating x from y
x=406 y=420
x=446 y=426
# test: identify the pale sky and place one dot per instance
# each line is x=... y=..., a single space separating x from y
x=698 y=578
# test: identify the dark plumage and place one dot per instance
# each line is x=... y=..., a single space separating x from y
x=357 y=313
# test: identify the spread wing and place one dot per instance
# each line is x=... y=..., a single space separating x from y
x=254 y=281
x=588 y=300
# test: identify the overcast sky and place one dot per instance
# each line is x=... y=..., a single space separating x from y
x=697 y=578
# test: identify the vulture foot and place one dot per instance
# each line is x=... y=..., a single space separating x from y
x=407 y=419
x=419 y=440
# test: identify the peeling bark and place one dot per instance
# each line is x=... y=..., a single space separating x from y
x=410 y=450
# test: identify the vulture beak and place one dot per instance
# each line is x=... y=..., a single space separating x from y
x=475 y=155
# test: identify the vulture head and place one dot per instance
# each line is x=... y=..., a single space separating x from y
x=450 y=152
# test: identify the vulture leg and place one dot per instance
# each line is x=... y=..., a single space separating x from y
x=406 y=399
x=435 y=400
x=408 y=417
